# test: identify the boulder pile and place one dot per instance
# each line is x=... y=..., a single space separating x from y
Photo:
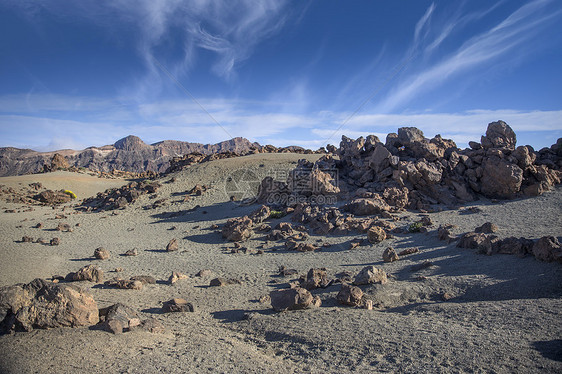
x=117 y=198
x=413 y=172
x=178 y=163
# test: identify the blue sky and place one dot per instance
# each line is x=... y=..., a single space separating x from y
x=76 y=73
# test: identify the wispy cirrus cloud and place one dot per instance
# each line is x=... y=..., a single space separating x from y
x=174 y=31
x=517 y=29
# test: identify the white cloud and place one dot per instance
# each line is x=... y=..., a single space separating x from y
x=512 y=32
x=178 y=121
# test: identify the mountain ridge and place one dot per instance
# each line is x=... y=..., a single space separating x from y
x=130 y=153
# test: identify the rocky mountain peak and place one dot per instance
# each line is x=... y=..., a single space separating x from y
x=130 y=143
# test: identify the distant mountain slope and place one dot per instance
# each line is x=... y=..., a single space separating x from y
x=130 y=154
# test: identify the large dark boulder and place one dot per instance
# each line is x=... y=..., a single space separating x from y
x=42 y=304
x=499 y=135
x=500 y=178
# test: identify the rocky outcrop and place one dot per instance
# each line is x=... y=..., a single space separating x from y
x=547 y=248
x=414 y=172
x=42 y=304
x=119 y=198
x=58 y=162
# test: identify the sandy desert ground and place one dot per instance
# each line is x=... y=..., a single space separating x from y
x=503 y=314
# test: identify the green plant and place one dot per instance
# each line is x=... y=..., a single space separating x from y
x=276 y=214
x=415 y=227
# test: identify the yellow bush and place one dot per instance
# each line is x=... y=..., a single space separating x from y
x=70 y=193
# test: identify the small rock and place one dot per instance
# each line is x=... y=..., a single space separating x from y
x=547 y=249
x=445 y=233
x=446 y=296
x=316 y=278
x=283 y=271
x=152 y=325
x=409 y=251
x=487 y=228
x=369 y=275
x=172 y=245
x=144 y=279
x=177 y=305
x=350 y=295
x=65 y=227
x=293 y=299
x=38 y=226
x=27 y=239
x=176 y=276
x=423 y=265
x=389 y=255
x=125 y=284
x=264 y=299
x=368 y=304
x=131 y=252
x=101 y=253
x=54 y=241
x=118 y=317
x=90 y=273
x=204 y=273
x=376 y=235
x=219 y=282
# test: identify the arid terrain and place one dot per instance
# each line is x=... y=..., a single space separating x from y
x=443 y=309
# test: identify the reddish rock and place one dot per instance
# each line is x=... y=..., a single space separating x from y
x=409 y=251
x=176 y=276
x=172 y=245
x=118 y=317
x=53 y=197
x=293 y=299
x=513 y=246
x=487 y=228
x=389 y=255
x=65 y=227
x=101 y=253
x=547 y=249
x=260 y=215
x=42 y=304
x=131 y=252
x=316 y=278
x=368 y=206
x=204 y=273
x=125 y=284
x=376 y=235
x=238 y=229
x=177 y=305
x=370 y=275
x=323 y=183
x=500 y=179
x=445 y=232
x=144 y=279
x=90 y=273
x=219 y=282
x=350 y=295
x=499 y=135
